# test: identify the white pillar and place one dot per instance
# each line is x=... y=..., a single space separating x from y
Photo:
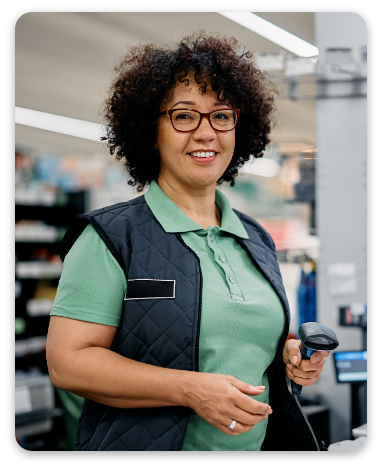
x=341 y=201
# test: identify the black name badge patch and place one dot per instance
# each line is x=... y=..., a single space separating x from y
x=150 y=289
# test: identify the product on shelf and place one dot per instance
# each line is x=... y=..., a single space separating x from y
x=33 y=345
x=38 y=269
x=35 y=231
x=18 y=289
x=39 y=307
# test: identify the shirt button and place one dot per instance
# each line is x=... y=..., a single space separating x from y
x=211 y=238
x=222 y=259
x=232 y=279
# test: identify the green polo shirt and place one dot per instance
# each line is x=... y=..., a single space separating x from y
x=242 y=317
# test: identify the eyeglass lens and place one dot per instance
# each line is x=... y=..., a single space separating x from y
x=188 y=120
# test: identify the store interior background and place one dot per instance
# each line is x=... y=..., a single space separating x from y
x=309 y=190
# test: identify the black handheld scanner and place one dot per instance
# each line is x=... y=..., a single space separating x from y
x=314 y=337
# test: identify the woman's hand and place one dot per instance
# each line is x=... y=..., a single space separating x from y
x=302 y=372
x=220 y=399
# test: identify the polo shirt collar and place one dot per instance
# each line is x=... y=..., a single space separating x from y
x=174 y=220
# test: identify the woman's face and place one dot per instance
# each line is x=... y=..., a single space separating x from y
x=175 y=148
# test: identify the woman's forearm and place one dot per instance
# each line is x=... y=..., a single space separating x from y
x=111 y=379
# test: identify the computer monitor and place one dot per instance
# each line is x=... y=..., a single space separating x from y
x=351 y=366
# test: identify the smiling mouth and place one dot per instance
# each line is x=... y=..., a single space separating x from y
x=202 y=154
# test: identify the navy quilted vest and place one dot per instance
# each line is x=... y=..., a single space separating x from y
x=165 y=332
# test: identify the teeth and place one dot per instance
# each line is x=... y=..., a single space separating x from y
x=202 y=154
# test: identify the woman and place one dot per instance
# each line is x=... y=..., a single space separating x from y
x=171 y=318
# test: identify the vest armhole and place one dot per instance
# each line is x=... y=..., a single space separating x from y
x=107 y=242
x=75 y=230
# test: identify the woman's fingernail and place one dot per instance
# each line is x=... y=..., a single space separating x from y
x=294 y=359
x=261 y=387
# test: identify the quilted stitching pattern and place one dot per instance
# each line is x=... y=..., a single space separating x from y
x=161 y=332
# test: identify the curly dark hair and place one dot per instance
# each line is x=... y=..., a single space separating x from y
x=145 y=78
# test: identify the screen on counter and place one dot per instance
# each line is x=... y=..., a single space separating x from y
x=351 y=366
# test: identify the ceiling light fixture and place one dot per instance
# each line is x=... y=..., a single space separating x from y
x=61 y=124
x=273 y=33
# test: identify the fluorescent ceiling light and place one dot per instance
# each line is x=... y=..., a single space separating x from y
x=63 y=125
x=273 y=33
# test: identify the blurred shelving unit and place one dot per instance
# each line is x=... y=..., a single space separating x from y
x=42 y=217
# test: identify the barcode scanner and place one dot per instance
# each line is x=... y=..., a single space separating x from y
x=314 y=337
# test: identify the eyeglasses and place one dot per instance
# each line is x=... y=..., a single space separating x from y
x=186 y=120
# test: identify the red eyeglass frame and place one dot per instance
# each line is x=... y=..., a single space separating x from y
x=171 y=111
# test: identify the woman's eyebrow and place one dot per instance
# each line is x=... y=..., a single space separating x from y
x=221 y=103
x=183 y=102
x=217 y=103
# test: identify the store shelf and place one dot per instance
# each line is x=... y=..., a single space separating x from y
x=39 y=307
x=35 y=232
x=36 y=410
x=43 y=212
x=33 y=424
x=33 y=393
x=36 y=417
x=38 y=270
x=56 y=215
x=35 y=197
x=33 y=345
x=34 y=244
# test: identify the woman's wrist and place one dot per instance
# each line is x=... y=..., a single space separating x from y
x=187 y=382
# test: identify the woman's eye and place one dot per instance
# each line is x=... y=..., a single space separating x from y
x=183 y=116
x=220 y=116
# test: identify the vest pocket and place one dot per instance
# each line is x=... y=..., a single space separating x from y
x=139 y=289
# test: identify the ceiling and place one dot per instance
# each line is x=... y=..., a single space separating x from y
x=64 y=63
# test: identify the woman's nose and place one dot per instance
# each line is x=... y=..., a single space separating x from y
x=205 y=130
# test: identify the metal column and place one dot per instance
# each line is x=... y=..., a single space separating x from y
x=341 y=200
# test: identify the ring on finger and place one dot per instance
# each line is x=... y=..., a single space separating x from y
x=232 y=425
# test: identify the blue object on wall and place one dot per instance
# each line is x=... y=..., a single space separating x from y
x=306 y=298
